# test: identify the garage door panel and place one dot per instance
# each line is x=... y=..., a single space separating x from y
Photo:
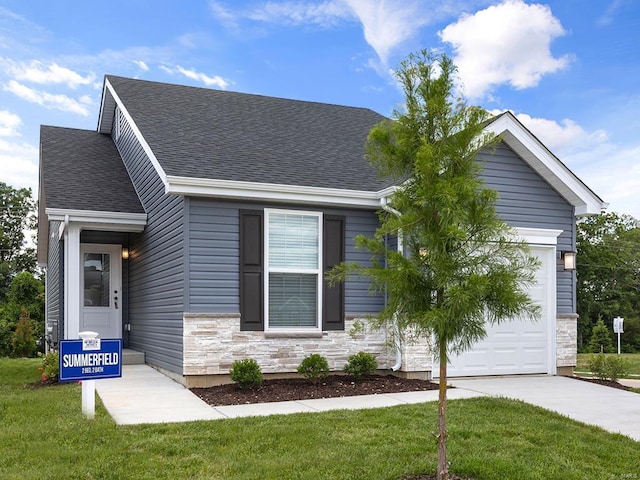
x=512 y=347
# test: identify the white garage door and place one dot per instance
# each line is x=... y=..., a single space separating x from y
x=517 y=346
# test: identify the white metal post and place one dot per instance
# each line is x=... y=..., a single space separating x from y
x=88 y=386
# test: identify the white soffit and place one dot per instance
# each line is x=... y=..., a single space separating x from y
x=95 y=220
x=525 y=144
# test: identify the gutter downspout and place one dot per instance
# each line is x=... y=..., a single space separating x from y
x=384 y=203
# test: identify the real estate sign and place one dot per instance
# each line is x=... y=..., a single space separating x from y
x=90 y=359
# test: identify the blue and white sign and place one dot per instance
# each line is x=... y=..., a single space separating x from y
x=90 y=359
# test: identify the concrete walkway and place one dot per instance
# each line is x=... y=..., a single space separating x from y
x=613 y=409
x=143 y=395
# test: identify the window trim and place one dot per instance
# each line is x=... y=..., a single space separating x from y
x=318 y=271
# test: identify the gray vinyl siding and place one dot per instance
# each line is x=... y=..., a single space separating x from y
x=527 y=200
x=213 y=255
x=55 y=284
x=155 y=265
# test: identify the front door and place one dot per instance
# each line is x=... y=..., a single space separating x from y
x=101 y=289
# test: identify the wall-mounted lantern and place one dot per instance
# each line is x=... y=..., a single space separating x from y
x=569 y=259
x=125 y=253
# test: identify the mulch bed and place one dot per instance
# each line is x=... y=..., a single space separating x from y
x=286 y=389
x=606 y=383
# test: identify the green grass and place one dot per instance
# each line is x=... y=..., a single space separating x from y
x=44 y=436
x=632 y=358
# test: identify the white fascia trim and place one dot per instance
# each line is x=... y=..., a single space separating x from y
x=538 y=236
x=585 y=201
x=137 y=133
x=118 y=221
x=274 y=192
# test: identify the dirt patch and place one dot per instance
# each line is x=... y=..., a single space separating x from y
x=286 y=389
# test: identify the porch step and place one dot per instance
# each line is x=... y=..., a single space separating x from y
x=132 y=357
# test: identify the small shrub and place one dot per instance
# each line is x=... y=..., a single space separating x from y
x=314 y=367
x=246 y=373
x=596 y=365
x=50 y=367
x=616 y=367
x=23 y=341
x=608 y=367
x=361 y=364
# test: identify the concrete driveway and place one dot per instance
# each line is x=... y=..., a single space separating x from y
x=614 y=410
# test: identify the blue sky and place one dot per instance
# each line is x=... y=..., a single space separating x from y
x=569 y=69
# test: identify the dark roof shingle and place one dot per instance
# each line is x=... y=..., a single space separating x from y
x=213 y=134
x=82 y=170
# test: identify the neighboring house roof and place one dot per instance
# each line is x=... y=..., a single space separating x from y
x=220 y=135
x=82 y=170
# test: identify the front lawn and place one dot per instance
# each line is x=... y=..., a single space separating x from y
x=44 y=436
x=632 y=358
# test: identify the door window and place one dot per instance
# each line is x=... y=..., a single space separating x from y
x=96 y=279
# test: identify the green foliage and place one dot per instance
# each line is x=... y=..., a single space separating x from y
x=246 y=373
x=17 y=214
x=23 y=343
x=361 y=364
x=616 y=367
x=608 y=270
x=608 y=367
x=26 y=292
x=600 y=338
x=50 y=367
x=463 y=267
x=314 y=367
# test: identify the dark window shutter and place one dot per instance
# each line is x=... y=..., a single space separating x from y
x=251 y=270
x=333 y=254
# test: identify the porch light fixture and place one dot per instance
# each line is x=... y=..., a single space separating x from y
x=569 y=259
x=125 y=253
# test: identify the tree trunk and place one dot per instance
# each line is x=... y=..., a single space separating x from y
x=443 y=467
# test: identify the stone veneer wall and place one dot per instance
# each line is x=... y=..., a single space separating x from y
x=566 y=343
x=212 y=342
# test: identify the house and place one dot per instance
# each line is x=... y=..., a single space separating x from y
x=196 y=225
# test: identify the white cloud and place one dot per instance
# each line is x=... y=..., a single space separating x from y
x=19 y=165
x=562 y=138
x=325 y=14
x=9 y=123
x=48 y=100
x=215 y=81
x=505 y=43
x=141 y=65
x=36 y=72
x=387 y=24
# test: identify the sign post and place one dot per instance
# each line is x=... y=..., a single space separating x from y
x=618 y=327
x=88 y=360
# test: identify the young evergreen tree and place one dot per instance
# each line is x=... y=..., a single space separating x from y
x=462 y=266
x=601 y=341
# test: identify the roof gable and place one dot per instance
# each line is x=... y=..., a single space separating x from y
x=546 y=164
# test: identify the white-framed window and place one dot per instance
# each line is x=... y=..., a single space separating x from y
x=293 y=273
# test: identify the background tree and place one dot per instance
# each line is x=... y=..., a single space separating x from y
x=17 y=215
x=601 y=341
x=25 y=293
x=462 y=266
x=608 y=273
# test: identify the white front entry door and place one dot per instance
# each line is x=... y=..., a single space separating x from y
x=517 y=346
x=101 y=289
